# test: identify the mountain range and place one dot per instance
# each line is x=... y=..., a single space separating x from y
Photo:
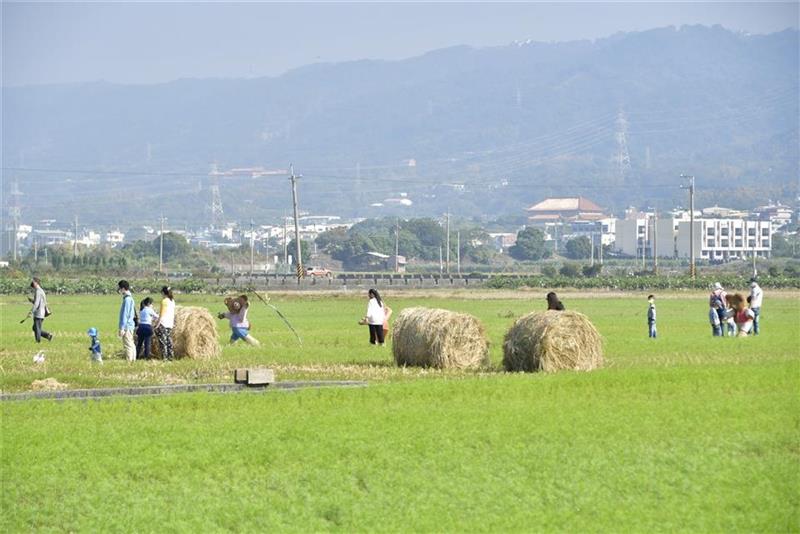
x=479 y=132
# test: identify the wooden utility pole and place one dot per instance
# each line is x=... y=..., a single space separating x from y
x=655 y=242
x=458 y=252
x=75 y=243
x=690 y=187
x=299 y=264
x=447 y=243
x=161 y=248
x=285 y=243
x=397 y=246
x=252 y=248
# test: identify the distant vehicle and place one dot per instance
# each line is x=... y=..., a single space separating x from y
x=318 y=271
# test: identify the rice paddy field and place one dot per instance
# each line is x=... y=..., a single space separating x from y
x=682 y=433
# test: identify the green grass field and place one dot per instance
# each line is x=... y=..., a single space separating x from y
x=685 y=432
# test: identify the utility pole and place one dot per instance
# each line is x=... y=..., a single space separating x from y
x=600 y=248
x=690 y=187
x=447 y=243
x=655 y=242
x=35 y=251
x=441 y=266
x=755 y=242
x=16 y=212
x=252 y=248
x=285 y=243
x=294 y=178
x=397 y=245
x=161 y=248
x=45 y=256
x=591 y=249
x=458 y=252
x=75 y=243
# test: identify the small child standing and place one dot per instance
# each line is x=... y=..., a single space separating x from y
x=144 y=332
x=713 y=318
x=651 y=315
x=730 y=321
x=97 y=355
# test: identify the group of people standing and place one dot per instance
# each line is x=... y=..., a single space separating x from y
x=146 y=323
x=733 y=313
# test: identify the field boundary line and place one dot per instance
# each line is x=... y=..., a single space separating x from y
x=137 y=391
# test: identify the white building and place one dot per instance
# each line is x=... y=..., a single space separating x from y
x=114 y=238
x=778 y=214
x=723 y=239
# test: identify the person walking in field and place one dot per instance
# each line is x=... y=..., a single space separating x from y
x=165 y=322
x=375 y=318
x=651 y=315
x=39 y=311
x=127 y=312
x=756 y=298
x=144 y=332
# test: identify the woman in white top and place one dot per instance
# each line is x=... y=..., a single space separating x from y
x=375 y=317
x=166 y=322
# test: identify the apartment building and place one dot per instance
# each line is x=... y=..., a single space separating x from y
x=723 y=239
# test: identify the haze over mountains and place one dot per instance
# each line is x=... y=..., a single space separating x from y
x=479 y=132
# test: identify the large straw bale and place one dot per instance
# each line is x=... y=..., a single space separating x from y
x=437 y=338
x=551 y=341
x=194 y=335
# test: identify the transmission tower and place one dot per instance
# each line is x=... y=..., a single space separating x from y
x=623 y=157
x=217 y=215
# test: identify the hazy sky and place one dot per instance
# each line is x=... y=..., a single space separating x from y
x=156 y=42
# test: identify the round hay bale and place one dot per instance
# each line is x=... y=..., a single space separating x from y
x=194 y=335
x=442 y=339
x=551 y=341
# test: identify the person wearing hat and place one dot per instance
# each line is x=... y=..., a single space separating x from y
x=756 y=297
x=97 y=353
x=718 y=300
x=39 y=311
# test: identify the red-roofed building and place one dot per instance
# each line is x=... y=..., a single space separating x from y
x=570 y=209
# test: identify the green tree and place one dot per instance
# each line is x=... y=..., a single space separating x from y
x=530 y=245
x=570 y=270
x=175 y=246
x=785 y=246
x=579 y=248
x=305 y=250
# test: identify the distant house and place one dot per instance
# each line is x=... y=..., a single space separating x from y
x=503 y=240
x=553 y=210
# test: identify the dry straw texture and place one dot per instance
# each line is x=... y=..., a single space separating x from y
x=442 y=339
x=194 y=335
x=552 y=340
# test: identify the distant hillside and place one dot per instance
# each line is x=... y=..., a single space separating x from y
x=490 y=130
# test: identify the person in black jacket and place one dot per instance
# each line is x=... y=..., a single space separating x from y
x=553 y=303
